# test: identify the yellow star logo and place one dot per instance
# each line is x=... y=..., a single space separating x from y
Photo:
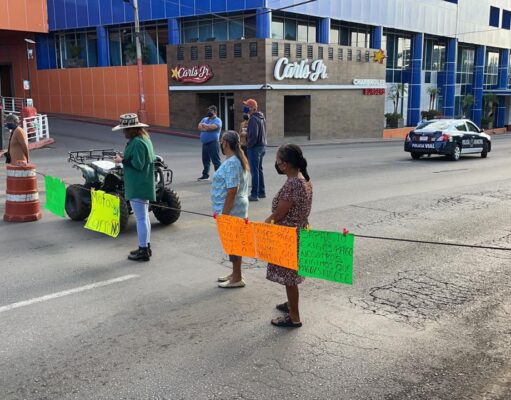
x=175 y=73
x=379 y=56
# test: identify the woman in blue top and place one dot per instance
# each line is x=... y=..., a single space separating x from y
x=229 y=195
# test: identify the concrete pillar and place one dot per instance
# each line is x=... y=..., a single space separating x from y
x=449 y=89
x=174 y=34
x=414 y=88
x=477 y=109
x=103 y=47
x=263 y=23
x=324 y=30
x=376 y=37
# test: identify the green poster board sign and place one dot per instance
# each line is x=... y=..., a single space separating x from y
x=55 y=195
x=326 y=255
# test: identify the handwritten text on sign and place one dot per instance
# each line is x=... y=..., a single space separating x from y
x=276 y=244
x=55 y=195
x=236 y=235
x=326 y=255
x=105 y=214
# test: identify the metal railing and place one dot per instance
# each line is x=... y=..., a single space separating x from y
x=13 y=105
x=37 y=128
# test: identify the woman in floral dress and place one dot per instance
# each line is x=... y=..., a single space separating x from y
x=291 y=207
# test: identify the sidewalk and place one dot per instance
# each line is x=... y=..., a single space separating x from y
x=301 y=140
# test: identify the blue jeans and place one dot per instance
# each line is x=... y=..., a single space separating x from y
x=210 y=154
x=141 y=210
x=255 y=159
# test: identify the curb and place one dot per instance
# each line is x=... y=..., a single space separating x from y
x=42 y=143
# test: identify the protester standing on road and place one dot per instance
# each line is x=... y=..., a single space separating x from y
x=139 y=187
x=18 y=141
x=243 y=133
x=291 y=207
x=256 y=147
x=210 y=128
x=229 y=196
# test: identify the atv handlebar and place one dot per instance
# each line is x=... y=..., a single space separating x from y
x=81 y=157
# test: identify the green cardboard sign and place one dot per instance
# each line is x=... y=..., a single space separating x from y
x=326 y=255
x=55 y=195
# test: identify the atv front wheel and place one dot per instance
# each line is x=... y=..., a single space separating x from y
x=170 y=199
x=124 y=214
x=78 y=202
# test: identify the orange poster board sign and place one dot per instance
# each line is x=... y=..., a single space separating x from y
x=236 y=235
x=276 y=244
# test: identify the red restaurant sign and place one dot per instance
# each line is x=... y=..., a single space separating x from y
x=195 y=74
x=373 y=92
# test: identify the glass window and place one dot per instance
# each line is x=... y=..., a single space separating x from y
x=290 y=29
x=491 y=75
x=250 y=27
x=461 y=127
x=312 y=34
x=277 y=29
x=205 y=31
x=472 y=127
x=220 y=31
x=334 y=35
x=190 y=32
x=302 y=32
x=114 y=38
x=235 y=30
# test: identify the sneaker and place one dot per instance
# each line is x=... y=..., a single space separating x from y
x=203 y=179
x=149 y=251
x=253 y=198
x=232 y=285
x=140 y=255
x=262 y=196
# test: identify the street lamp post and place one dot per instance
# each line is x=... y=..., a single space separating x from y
x=29 y=56
x=142 y=115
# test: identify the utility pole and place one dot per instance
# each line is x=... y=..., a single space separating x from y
x=142 y=114
x=29 y=41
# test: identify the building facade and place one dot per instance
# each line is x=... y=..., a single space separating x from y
x=446 y=55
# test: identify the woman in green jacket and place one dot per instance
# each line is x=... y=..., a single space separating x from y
x=138 y=163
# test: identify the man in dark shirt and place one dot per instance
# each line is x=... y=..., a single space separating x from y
x=256 y=146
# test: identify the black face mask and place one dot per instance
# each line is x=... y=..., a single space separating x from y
x=11 y=126
x=279 y=171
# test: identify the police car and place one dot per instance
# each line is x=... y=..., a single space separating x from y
x=449 y=137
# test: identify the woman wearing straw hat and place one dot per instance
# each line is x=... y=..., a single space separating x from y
x=229 y=196
x=18 y=141
x=138 y=164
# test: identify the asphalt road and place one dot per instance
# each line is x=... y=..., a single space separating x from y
x=420 y=321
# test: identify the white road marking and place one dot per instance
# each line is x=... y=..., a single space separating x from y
x=66 y=293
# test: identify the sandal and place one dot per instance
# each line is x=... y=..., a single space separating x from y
x=285 y=322
x=283 y=307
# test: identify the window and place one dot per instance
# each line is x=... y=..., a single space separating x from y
x=465 y=67
x=299 y=51
x=350 y=34
x=76 y=49
x=310 y=52
x=472 y=127
x=275 y=49
x=330 y=53
x=461 y=127
x=434 y=55
x=208 y=52
x=287 y=50
x=204 y=29
x=222 y=51
x=180 y=53
x=194 y=53
x=320 y=53
x=494 y=17
x=289 y=28
x=277 y=29
x=491 y=71
x=398 y=48
x=506 y=19
x=153 y=39
x=253 y=49
x=237 y=50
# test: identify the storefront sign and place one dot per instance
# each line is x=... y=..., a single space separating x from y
x=369 y=82
x=373 y=92
x=195 y=74
x=284 y=69
x=379 y=56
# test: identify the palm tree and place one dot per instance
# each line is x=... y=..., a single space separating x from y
x=433 y=92
x=396 y=94
x=467 y=103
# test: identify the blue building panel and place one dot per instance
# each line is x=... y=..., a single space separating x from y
x=71 y=16
x=144 y=10
x=158 y=10
x=118 y=16
x=172 y=10
x=82 y=13
x=105 y=12
x=94 y=13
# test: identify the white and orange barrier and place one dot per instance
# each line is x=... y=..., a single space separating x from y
x=22 y=197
